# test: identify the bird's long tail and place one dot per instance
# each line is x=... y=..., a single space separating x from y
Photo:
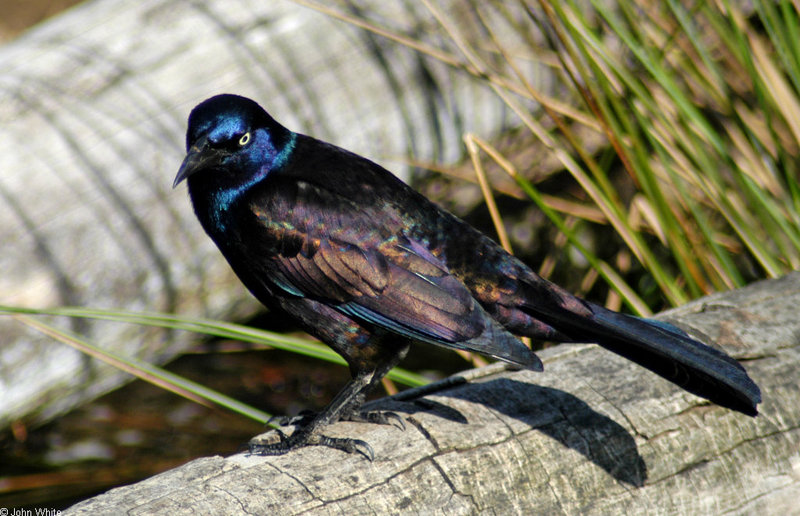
x=669 y=352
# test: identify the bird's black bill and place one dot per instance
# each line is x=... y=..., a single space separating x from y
x=200 y=156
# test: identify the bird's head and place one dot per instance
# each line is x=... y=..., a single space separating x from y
x=232 y=141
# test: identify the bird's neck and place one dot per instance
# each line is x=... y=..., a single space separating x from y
x=215 y=203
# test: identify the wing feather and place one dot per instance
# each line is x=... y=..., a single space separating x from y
x=388 y=279
x=325 y=247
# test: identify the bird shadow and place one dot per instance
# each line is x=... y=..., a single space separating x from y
x=557 y=414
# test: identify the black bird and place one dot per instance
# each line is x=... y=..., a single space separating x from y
x=368 y=265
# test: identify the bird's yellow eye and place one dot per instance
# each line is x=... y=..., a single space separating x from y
x=244 y=139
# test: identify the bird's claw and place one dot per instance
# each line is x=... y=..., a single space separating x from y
x=286 y=444
x=348 y=445
x=378 y=417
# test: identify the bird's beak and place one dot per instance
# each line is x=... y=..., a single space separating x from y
x=200 y=156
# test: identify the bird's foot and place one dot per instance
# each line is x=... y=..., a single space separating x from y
x=377 y=417
x=305 y=433
x=300 y=439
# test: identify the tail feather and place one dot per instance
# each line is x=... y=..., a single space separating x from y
x=667 y=351
x=671 y=353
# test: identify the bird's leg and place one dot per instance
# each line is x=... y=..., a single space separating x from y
x=308 y=434
x=380 y=417
x=344 y=406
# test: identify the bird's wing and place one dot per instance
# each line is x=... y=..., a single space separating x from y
x=361 y=263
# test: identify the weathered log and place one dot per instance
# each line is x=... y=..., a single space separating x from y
x=93 y=108
x=592 y=434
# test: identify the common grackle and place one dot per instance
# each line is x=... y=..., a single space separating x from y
x=368 y=265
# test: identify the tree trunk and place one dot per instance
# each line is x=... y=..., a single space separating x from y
x=592 y=434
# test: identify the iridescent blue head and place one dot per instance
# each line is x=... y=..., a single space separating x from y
x=232 y=142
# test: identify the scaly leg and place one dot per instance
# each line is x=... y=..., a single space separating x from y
x=344 y=406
